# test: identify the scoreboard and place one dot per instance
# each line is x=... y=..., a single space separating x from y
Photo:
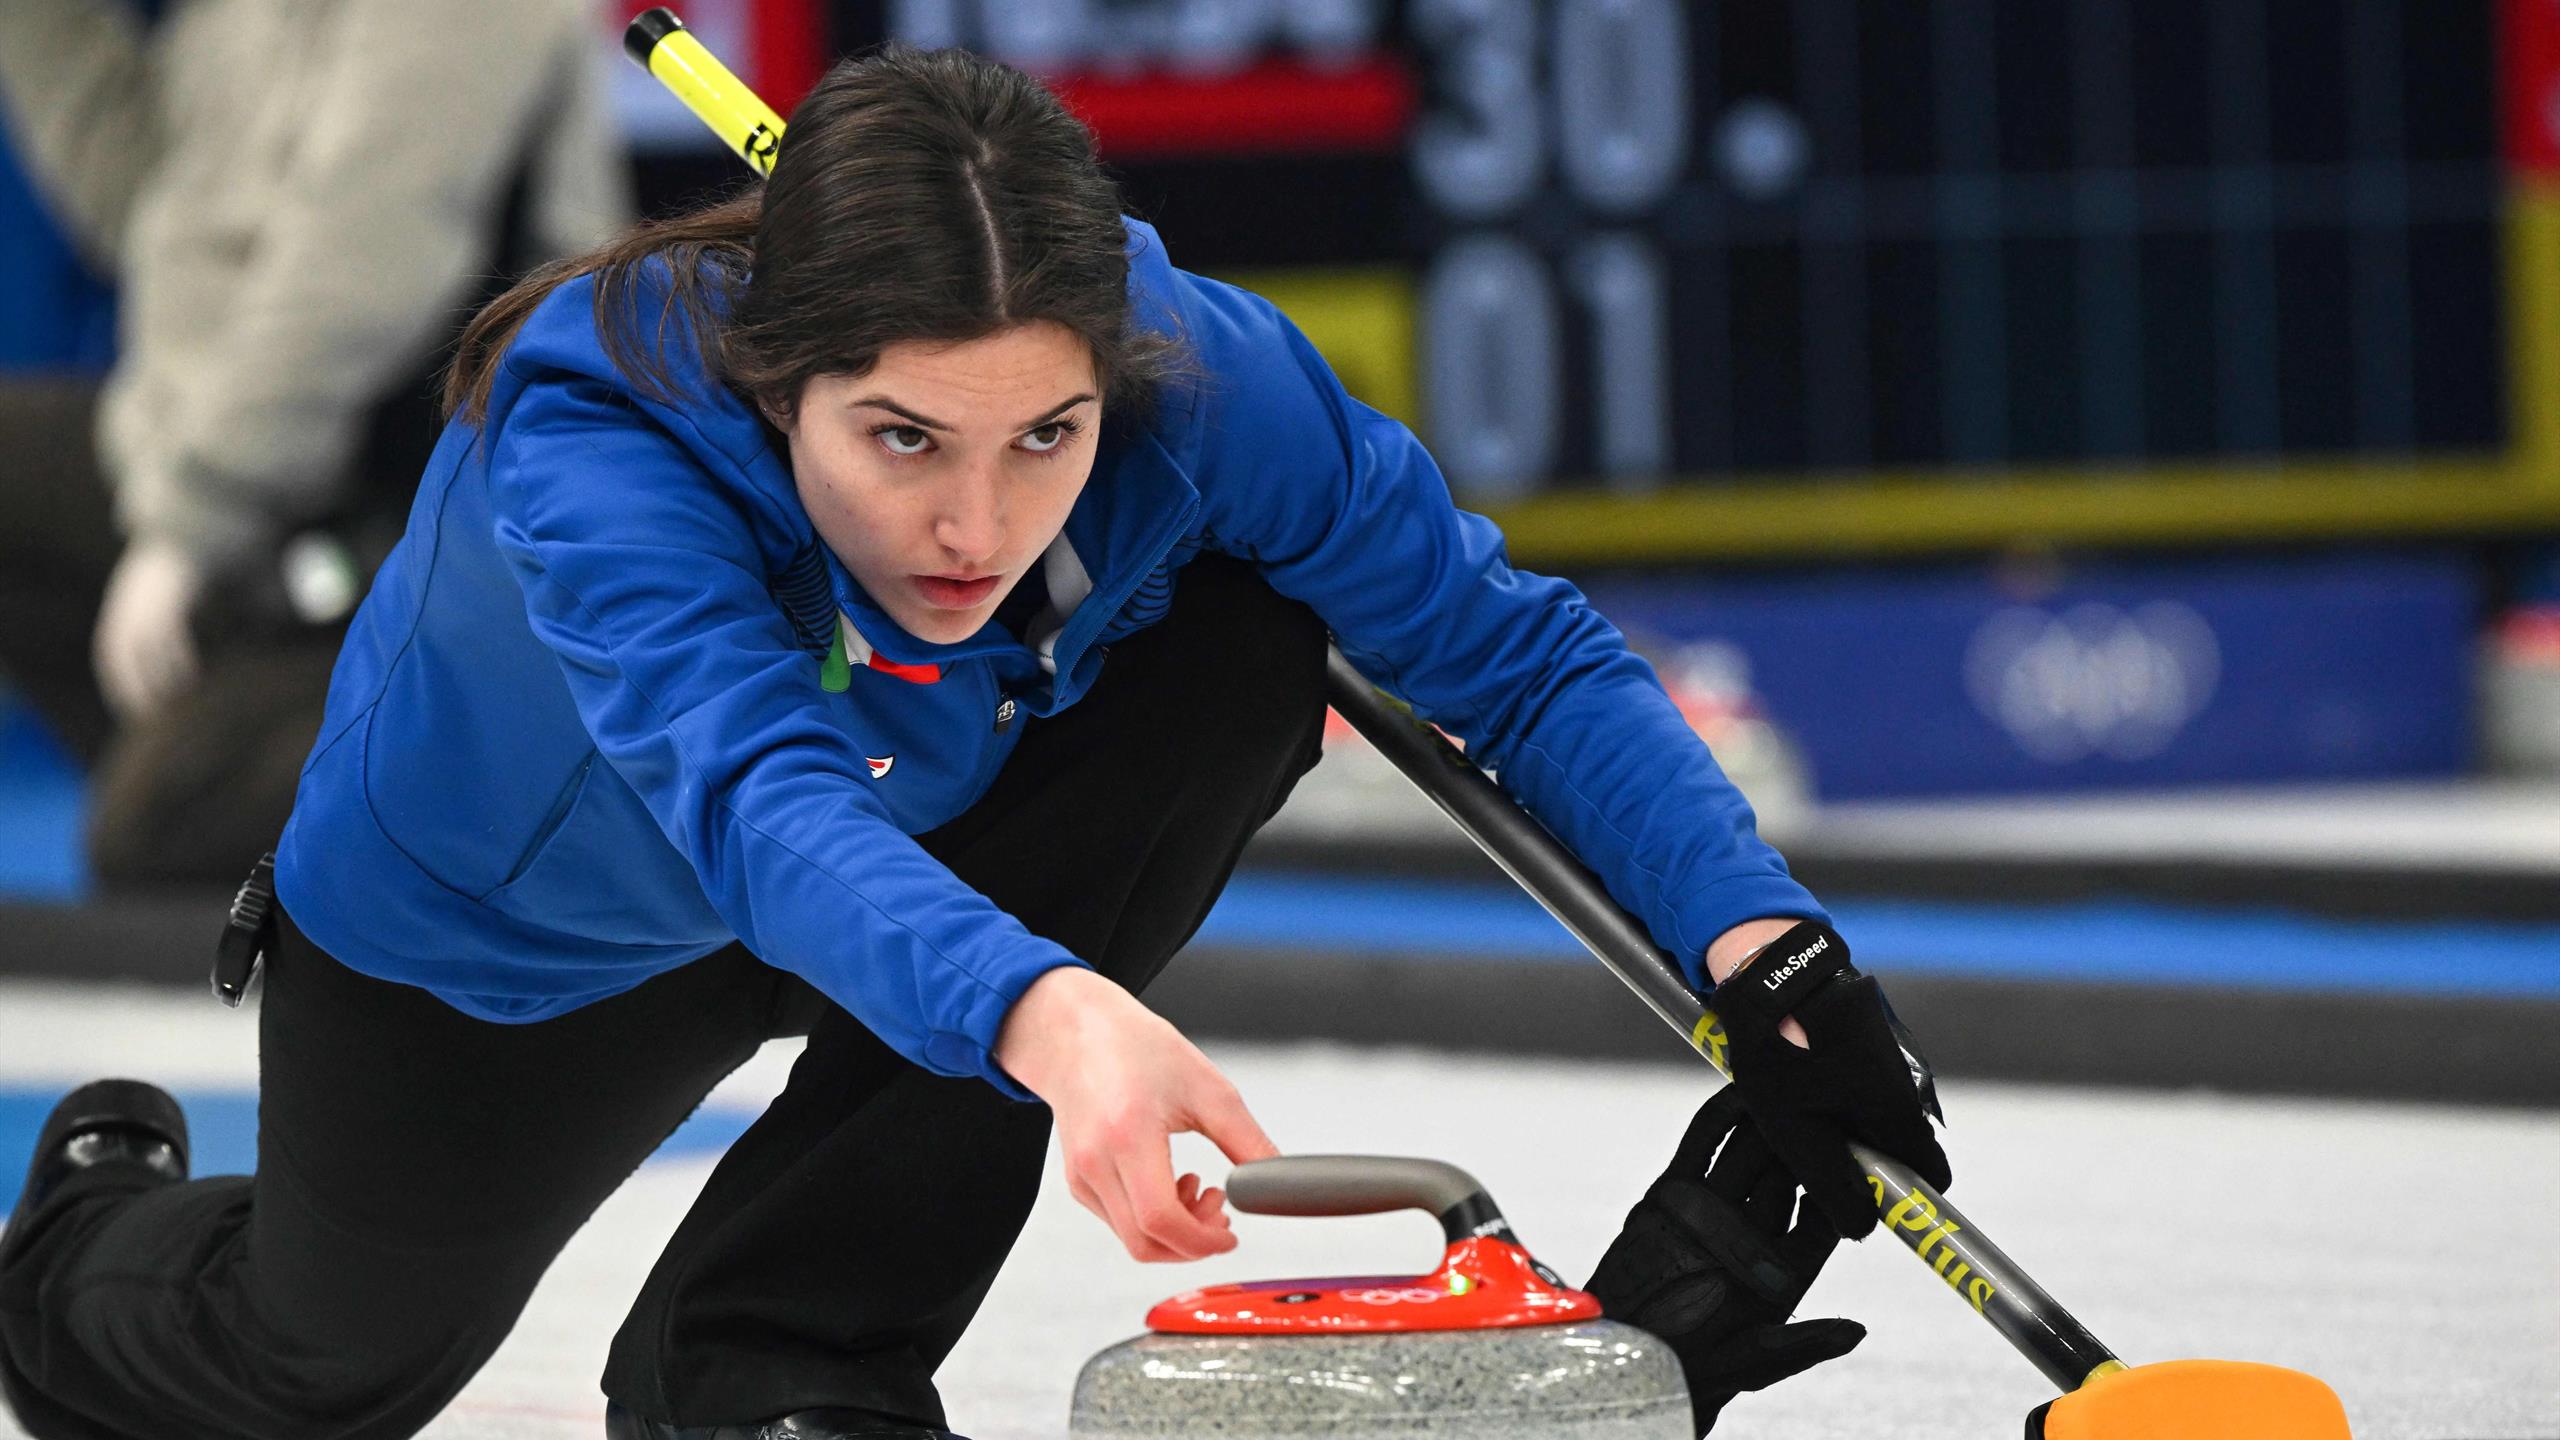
x=1663 y=280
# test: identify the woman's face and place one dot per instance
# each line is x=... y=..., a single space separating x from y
x=939 y=477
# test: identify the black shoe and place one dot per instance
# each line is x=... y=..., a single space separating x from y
x=106 y=1122
x=621 y=1424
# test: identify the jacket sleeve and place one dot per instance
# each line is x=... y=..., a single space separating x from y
x=641 y=574
x=370 y=234
x=1344 y=510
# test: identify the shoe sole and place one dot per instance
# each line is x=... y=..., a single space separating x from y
x=120 y=1104
x=104 y=1105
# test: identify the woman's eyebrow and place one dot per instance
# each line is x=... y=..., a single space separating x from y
x=1061 y=408
x=883 y=402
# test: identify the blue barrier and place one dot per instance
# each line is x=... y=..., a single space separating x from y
x=2166 y=672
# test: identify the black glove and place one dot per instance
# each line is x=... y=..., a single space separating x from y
x=1860 y=1081
x=1709 y=1263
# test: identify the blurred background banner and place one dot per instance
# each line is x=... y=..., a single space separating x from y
x=2345 y=666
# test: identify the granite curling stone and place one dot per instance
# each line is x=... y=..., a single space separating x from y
x=1491 y=1345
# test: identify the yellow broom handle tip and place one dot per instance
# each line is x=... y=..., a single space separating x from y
x=662 y=46
x=645 y=31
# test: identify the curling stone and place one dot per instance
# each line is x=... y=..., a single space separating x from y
x=1491 y=1345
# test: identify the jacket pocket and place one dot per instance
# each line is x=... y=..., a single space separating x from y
x=561 y=806
x=608 y=873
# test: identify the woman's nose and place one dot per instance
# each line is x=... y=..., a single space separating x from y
x=971 y=525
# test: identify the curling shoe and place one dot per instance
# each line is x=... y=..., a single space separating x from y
x=124 y=1123
x=621 y=1424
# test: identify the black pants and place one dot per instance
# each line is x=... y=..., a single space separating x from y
x=194 y=792
x=418 y=1169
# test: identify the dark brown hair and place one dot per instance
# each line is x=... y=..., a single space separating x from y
x=919 y=195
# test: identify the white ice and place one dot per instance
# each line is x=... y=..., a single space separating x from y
x=2409 y=1255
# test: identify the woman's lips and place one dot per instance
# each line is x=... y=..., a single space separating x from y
x=945 y=593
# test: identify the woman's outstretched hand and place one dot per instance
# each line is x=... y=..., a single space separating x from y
x=1122 y=1083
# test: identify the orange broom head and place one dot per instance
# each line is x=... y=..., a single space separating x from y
x=2198 y=1400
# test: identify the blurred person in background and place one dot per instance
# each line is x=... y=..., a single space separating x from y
x=298 y=202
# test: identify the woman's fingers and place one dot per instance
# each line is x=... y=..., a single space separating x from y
x=1170 y=1227
x=1099 y=1193
x=1128 y=1183
x=1219 y=1113
x=1206 y=1205
x=1111 y=1202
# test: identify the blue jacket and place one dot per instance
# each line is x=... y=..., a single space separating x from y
x=580 y=733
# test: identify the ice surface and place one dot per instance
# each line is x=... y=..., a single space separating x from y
x=2404 y=1253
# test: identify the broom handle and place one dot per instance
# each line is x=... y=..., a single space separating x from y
x=1917 y=1215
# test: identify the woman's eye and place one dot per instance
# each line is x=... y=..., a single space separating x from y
x=1045 y=439
x=903 y=439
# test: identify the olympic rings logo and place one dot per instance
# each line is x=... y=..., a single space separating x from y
x=1410 y=1295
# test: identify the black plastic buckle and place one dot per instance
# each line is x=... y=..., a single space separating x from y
x=247 y=935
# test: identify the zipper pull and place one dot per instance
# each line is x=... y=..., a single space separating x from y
x=1004 y=714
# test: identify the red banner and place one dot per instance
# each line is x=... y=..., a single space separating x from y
x=1277 y=106
x=2529 y=43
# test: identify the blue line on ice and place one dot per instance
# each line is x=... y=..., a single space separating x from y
x=2120 y=942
